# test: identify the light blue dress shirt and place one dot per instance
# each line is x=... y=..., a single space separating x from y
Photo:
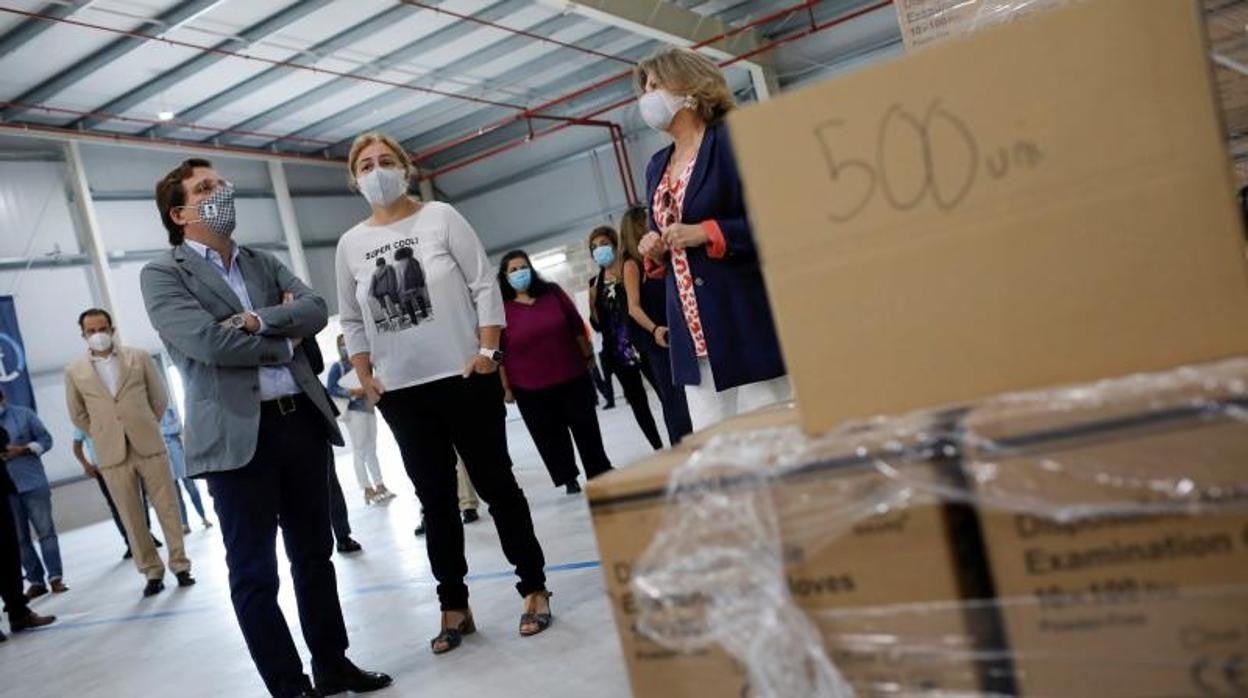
x=275 y=381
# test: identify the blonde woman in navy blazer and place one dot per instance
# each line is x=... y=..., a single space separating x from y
x=724 y=348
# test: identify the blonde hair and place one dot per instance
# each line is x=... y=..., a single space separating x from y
x=633 y=226
x=688 y=73
x=366 y=139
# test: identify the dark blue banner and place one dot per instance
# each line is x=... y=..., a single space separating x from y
x=14 y=372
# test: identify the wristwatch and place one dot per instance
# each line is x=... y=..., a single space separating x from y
x=492 y=354
x=238 y=322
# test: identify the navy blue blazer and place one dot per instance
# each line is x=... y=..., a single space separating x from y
x=732 y=300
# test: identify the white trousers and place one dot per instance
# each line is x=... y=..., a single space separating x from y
x=362 y=428
x=708 y=406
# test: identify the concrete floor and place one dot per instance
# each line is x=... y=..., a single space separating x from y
x=110 y=642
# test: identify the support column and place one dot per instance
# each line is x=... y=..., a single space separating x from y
x=91 y=237
x=426 y=189
x=290 y=224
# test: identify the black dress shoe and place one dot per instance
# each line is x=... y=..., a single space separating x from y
x=573 y=487
x=129 y=554
x=352 y=678
x=157 y=543
x=154 y=587
x=420 y=530
x=348 y=545
x=471 y=515
x=185 y=579
x=28 y=621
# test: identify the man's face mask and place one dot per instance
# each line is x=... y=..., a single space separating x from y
x=217 y=211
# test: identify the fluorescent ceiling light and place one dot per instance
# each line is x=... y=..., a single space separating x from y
x=549 y=260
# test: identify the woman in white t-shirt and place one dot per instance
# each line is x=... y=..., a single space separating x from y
x=422 y=315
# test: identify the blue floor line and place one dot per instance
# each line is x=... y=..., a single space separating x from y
x=484 y=576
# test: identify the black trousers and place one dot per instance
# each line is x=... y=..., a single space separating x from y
x=10 y=561
x=337 y=504
x=638 y=401
x=671 y=396
x=285 y=484
x=602 y=379
x=431 y=422
x=550 y=414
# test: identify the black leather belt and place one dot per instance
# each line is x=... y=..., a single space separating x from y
x=284 y=405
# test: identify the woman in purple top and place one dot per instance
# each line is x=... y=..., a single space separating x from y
x=546 y=371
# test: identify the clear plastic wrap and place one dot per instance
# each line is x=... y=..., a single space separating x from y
x=1085 y=540
x=927 y=21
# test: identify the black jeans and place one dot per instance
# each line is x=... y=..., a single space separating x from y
x=431 y=422
x=671 y=396
x=550 y=414
x=638 y=401
x=285 y=484
x=10 y=561
x=602 y=380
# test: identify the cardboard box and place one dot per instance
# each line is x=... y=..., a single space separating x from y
x=1115 y=576
x=1045 y=202
x=852 y=541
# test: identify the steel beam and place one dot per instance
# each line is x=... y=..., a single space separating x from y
x=421 y=46
x=475 y=60
x=233 y=93
x=670 y=23
x=193 y=66
x=18 y=36
x=171 y=19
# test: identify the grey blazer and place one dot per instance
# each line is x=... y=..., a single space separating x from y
x=186 y=298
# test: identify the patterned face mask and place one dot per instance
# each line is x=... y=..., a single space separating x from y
x=217 y=211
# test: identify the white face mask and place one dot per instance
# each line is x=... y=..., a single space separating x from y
x=383 y=186
x=659 y=107
x=100 y=341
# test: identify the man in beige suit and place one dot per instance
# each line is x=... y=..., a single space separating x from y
x=116 y=396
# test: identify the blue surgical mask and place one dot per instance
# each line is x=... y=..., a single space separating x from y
x=520 y=279
x=604 y=255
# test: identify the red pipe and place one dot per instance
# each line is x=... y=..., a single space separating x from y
x=619 y=162
x=435 y=150
x=510 y=30
x=628 y=163
x=155 y=122
x=623 y=102
x=268 y=61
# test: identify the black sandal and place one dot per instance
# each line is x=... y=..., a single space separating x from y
x=453 y=636
x=541 y=620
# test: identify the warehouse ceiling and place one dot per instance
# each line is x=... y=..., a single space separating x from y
x=457 y=81
x=454 y=80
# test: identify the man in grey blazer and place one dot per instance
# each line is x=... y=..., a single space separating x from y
x=258 y=425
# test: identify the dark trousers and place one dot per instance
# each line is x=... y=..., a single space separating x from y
x=431 y=422
x=602 y=381
x=285 y=484
x=550 y=414
x=112 y=508
x=10 y=562
x=671 y=396
x=337 y=504
x=639 y=402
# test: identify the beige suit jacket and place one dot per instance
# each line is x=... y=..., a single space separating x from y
x=132 y=417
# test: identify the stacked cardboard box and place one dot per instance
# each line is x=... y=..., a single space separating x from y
x=852 y=539
x=992 y=215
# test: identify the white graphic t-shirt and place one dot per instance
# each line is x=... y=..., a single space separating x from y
x=413 y=294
